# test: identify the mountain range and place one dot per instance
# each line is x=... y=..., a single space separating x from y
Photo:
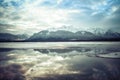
x=62 y=35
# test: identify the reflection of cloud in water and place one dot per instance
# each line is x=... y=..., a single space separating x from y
x=11 y=72
x=69 y=65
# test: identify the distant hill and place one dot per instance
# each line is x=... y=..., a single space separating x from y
x=4 y=37
x=62 y=35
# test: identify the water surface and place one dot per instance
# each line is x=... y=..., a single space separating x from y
x=60 y=61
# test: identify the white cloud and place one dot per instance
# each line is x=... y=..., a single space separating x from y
x=114 y=8
x=33 y=17
x=41 y=18
x=59 y=1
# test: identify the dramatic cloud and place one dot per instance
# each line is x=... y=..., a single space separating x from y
x=30 y=16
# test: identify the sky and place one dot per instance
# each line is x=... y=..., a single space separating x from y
x=32 y=16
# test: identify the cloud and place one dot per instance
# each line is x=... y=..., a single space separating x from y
x=29 y=16
x=6 y=28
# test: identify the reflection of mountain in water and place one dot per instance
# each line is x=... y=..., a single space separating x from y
x=63 y=50
x=81 y=50
x=93 y=51
x=5 y=49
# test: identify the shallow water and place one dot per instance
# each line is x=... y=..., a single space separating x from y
x=60 y=61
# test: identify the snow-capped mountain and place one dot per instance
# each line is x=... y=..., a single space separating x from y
x=62 y=35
